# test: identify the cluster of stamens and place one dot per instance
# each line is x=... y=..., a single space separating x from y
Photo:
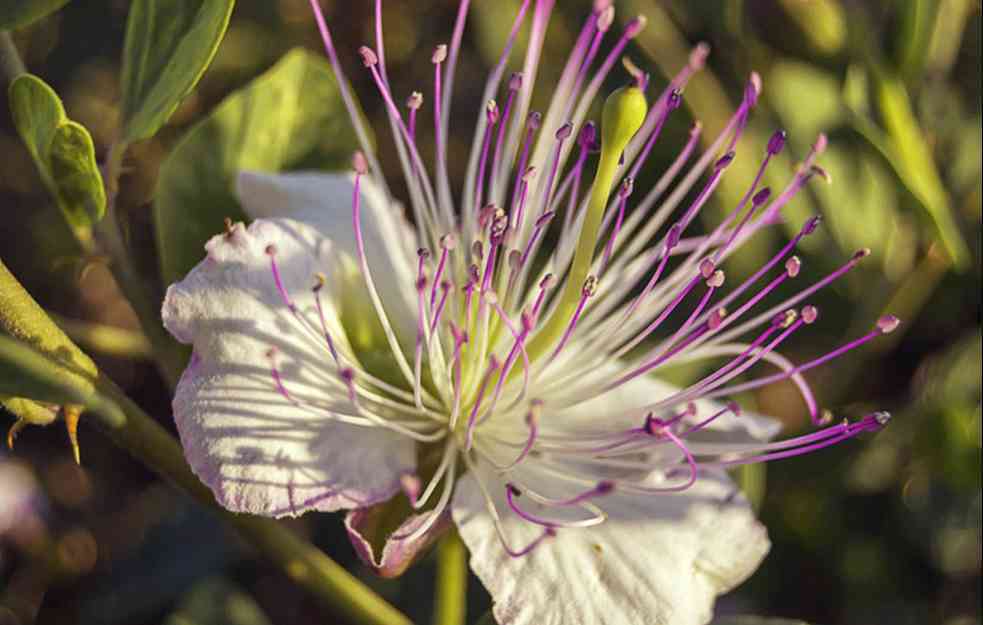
x=520 y=315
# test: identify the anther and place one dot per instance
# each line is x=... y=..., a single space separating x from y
x=809 y=314
x=535 y=120
x=716 y=318
x=590 y=286
x=777 y=142
x=816 y=170
x=707 y=267
x=882 y=418
x=761 y=197
x=359 y=163
x=369 y=58
x=604 y=487
x=491 y=112
x=793 y=266
x=698 y=57
x=820 y=145
x=448 y=241
x=724 y=161
x=515 y=81
x=675 y=100
x=512 y=489
x=716 y=279
x=439 y=54
x=888 y=324
x=605 y=19
x=810 y=226
x=627 y=187
x=529 y=174
x=564 y=131
x=477 y=251
x=636 y=26
x=321 y=280
x=415 y=101
x=548 y=281
x=861 y=253
x=587 y=136
x=271 y=250
x=228 y=226
x=545 y=218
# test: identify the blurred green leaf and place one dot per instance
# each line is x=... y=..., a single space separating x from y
x=18 y=13
x=916 y=166
x=822 y=22
x=487 y=619
x=217 y=602
x=24 y=372
x=169 y=44
x=806 y=97
x=290 y=117
x=918 y=18
x=61 y=149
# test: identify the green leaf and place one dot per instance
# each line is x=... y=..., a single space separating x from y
x=169 y=44
x=61 y=149
x=291 y=117
x=19 y=13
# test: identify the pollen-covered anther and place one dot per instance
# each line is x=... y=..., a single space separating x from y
x=319 y=281
x=882 y=417
x=605 y=19
x=888 y=324
x=636 y=26
x=716 y=279
x=792 y=266
x=369 y=57
x=716 y=318
x=627 y=187
x=785 y=319
x=809 y=314
x=861 y=253
x=529 y=174
x=590 y=286
x=414 y=101
x=439 y=53
x=448 y=241
x=491 y=111
x=817 y=170
x=411 y=486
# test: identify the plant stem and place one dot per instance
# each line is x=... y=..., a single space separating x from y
x=11 y=65
x=149 y=443
x=452 y=581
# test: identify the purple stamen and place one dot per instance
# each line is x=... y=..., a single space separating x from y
x=626 y=189
x=493 y=366
x=321 y=279
x=277 y=280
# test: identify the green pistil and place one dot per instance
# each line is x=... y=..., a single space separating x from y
x=624 y=113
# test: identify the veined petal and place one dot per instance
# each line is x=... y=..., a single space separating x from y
x=656 y=560
x=263 y=446
x=324 y=201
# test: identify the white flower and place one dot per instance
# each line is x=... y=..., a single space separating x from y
x=493 y=361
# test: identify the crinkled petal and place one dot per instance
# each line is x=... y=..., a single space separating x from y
x=657 y=559
x=258 y=450
x=399 y=551
x=324 y=201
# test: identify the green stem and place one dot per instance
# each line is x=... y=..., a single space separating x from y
x=11 y=65
x=452 y=581
x=149 y=443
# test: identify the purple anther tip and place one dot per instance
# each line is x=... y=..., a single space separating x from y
x=270 y=249
x=415 y=101
x=724 y=160
x=448 y=241
x=761 y=197
x=707 y=267
x=548 y=281
x=439 y=53
x=627 y=187
x=515 y=492
x=515 y=81
x=359 y=163
x=753 y=89
x=369 y=58
x=811 y=224
x=535 y=120
x=587 y=134
x=545 y=218
x=347 y=374
x=777 y=142
x=675 y=233
x=675 y=99
x=716 y=318
x=809 y=314
x=564 y=131
x=698 y=56
x=861 y=253
x=888 y=324
x=635 y=26
x=590 y=286
x=735 y=408
x=604 y=487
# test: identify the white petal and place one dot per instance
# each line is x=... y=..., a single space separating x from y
x=324 y=201
x=257 y=451
x=657 y=560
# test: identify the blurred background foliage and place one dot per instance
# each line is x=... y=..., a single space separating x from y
x=885 y=530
